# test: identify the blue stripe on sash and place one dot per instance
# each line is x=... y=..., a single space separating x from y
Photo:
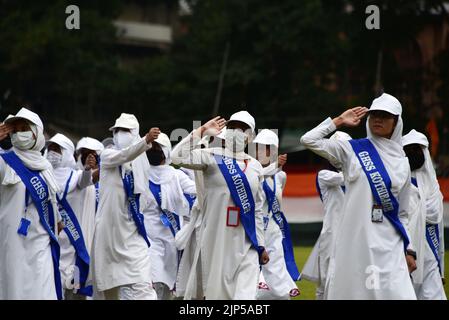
x=133 y=204
x=433 y=239
x=169 y=219
x=380 y=183
x=241 y=195
x=38 y=191
x=75 y=234
x=279 y=218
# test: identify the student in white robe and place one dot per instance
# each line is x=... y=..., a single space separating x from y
x=164 y=214
x=71 y=182
x=275 y=283
x=426 y=205
x=229 y=257
x=27 y=269
x=330 y=186
x=188 y=282
x=373 y=256
x=88 y=151
x=120 y=253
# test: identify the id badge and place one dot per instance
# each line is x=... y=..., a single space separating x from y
x=233 y=217
x=23 y=227
x=377 y=215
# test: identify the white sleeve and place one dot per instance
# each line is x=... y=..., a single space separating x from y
x=332 y=150
x=259 y=201
x=84 y=179
x=271 y=170
x=111 y=158
x=404 y=208
x=187 y=185
x=187 y=154
x=434 y=208
x=330 y=178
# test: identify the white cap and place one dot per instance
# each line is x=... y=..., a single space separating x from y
x=267 y=137
x=340 y=135
x=245 y=117
x=222 y=134
x=90 y=143
x=127 y=121
x=62 y=141
x=415 y=137
x=26 y=114
x=163 y=140
x=386 y=102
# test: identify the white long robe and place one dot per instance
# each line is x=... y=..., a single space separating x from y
x=330 y=183
x=274 y=273
x=26 y=265
x=163 y=252
x=369 y=257
x=229 y=264
x=120 y=254
x=81 y=179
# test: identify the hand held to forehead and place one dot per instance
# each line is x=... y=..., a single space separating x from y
x=351 y=117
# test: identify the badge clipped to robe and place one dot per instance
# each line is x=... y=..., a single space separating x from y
x=232 y=219
x=377 y=215
x=24 y=226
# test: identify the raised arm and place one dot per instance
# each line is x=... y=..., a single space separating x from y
x=111 y=158
x=186 y=152
x=332 y=150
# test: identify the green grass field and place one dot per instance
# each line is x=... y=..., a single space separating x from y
x=307 y=288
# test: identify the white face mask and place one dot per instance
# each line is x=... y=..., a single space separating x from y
x=23 y=140
x=262 y=156
x=54 y=158
x=123 y=139
x=235 y=140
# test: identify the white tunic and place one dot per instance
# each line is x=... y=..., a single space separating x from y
x=26 y=265
x=120 y=254
x=229 y=264
x=275 y=274
x=330 y=184
x=369 y=257
x=80 y=180
x=163 y=252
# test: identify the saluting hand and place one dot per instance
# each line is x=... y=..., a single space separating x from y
x=5 y=130
x=282 y=159
x=91 y=162
x=213 y=127
x=351 y=117
x=152 y=135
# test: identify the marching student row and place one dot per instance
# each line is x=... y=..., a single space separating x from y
x=119 y=222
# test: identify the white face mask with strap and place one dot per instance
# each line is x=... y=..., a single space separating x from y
x=123 y=139
x=54 y=158
x=235 y=140
x=23 y=140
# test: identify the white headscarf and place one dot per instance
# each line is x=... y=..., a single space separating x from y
x=32 y=158
x=172 y=196
x=393 y=146
x=67 y=165
x=139 y=165
x=426 y=177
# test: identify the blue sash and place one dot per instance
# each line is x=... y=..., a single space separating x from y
x=97 y=195
x=133 y=204
x=38 y=190
x=75 y=234
x=190 y=199
x=433 y=239
x=380 y=183
x=241 y=195
x=169 y=219
x=279 y=217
